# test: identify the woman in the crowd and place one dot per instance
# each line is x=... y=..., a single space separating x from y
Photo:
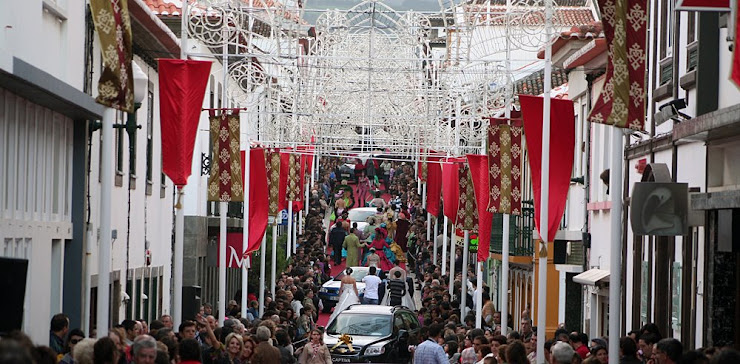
x=315 y=352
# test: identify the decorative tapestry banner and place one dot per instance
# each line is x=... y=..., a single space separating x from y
x=225 y=183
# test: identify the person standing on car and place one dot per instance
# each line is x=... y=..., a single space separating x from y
x=430 y=352
x=397 y=289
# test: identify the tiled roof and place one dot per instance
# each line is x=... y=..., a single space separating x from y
x=533 y=84
x=559 y=2
x=588 y=31
x=173 y=8
x=563 y=16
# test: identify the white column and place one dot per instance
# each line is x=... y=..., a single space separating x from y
x=223 y=208
x=178 y=260
x=434 y=239
x=615 y=258
x=245 y=232
x=300 y=221
x=444 y=245
x=561 y=298
x=104 y=250
x=464 y=271
x=289 y=236
x=504 y=307
x=545 y=191
x=273 y=267
x=294 y=243
x=452 y=261
x=263 y=251
x=479 y=296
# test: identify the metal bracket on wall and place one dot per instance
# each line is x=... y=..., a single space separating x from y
x=205 y=164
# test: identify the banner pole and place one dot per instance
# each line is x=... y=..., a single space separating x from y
x=245 y=231
x=444 y=245
x=289 y=236
x=223 y=208
x=263 y=251
x=104 y=250
x=464 y=271
x=615 y=258
x=545 y=190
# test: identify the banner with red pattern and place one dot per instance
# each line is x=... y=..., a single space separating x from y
x=225 y=182
x=622 y=100
x=505 y=166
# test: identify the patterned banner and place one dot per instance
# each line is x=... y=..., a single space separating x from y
x=272 y=169
x=622 y=101
x=504 y=167
x=116 y=84
x=467 y=208
x=225 y=183
x=293 y=192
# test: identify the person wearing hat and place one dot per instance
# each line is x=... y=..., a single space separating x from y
x=373 y=259
x=265 y=353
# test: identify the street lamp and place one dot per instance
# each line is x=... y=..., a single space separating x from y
x=141 y=81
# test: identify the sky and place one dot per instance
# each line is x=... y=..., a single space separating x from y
x=418 y=5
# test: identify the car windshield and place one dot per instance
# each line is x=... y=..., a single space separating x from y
x=357 y=274
x=358 y=215
x=360 y=324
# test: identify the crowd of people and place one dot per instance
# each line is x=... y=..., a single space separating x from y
x=394 y=244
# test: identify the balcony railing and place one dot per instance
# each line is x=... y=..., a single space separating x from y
x=520 y=232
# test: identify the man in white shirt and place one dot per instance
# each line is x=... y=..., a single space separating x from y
x=372 y=282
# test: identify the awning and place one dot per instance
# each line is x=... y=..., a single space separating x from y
x=592 y=276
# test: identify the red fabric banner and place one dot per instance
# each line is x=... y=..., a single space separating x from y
x=284 y=166
x=182 y=85
x=736 y=52
x=621 y=102
x=450 y=189
x=272 y=170
x=258 y=197
x=479 y=173
x=434 y=185
x=234 y=256
x=505 y=166
x=562 y=142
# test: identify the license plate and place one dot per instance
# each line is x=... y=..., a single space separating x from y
x=340 y=360
x=333 y=298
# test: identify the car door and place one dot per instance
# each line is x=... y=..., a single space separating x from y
x=412 y=322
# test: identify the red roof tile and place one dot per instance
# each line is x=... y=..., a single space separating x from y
x=563 y=16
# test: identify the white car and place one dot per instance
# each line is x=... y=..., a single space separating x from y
x=329 y=292
x=359 y=215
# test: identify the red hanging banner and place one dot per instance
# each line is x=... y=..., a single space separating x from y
x=621 y=102
x=182 y=85
x=450 y=189
x=434 y=185
x=562 y=143
x=479 y=173
x=505 y=167
x=258 y=197
x=225 y=183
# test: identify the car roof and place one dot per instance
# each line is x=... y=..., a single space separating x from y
x=364 y=209
x=374 y=309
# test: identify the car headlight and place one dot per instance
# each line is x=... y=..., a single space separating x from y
x=323 y=290
x=375 y=350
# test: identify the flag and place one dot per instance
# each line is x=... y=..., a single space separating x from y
x=422 y=166
x=450 y=188
x=621 y=102
x=294 y=177
x=467 y=206
x=562 y=144
x=225 y=183
x=505 y=167
x=735 y=76
x=182 y=85
x=434 y=185
x=479 y=173
x=272 y=171
x=116 y=84
x=283 y=191
x=258 y=197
